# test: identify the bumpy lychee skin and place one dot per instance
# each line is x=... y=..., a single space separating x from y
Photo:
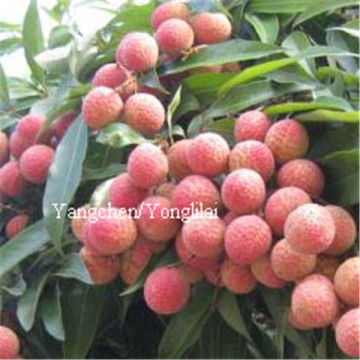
x=254 y=155
x=264 y=274
x=211 y=28
x=229 y=218
x=310 y=229
x=243 y=191
x=9 y=343
x=29 y=127
x=4 y=148
x=195 y=191
x=101 y=106
x=78 y=222
x=123 y=194
x=35 y=163
x=288 y=140
x=327 y=266
x=237 y=278
x=144 y=113
x=314 y=302
x=102 y=269
x=111 y=233
x=345 y=230
x=346 y=281
x=251 y=125
x=155 y=220
x=17 y=145
x=204 y=235
x=147 y=166
x=62 y=123
x=169 y=10
x=16 y=225
x=290 y=265
x=208 y=155
x=280 y=204
x=213 y=275
x=247 y=238
x=178 y=161
x=166 y=291
x=12 y=183
x=165 y=189
x=111 y=76
x=174 y=37
x=304 y=174
x=294 y=321
x=347 y=333
x=144 y=58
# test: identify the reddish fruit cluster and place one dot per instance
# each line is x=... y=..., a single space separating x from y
x=9 y=344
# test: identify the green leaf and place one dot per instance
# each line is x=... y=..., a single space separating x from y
x=323 y=73
x=185 y=327
x=64 y=177
x=174 y=104
x=102 y=173
x=51 y=313
x=330 y=116
x=60 y=35
x=266 y=26
x=29 y=241
x=224 y=127
x=278 y=6
x=28 y=302
x=9 y=45
x=4 y=90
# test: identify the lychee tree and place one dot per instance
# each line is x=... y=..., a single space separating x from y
x=246 y=104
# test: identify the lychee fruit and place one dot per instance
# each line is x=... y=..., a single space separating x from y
x=102 y=269
x=165 y=189
x=345 y=230
x=314 y=302
x=123 y=193
x=17 y=145
x=174 y=37
x=62 y=123
x=203 y=235
x=191 y=275
x=111 y=76
x=166 y=291
x=327 y=266
x=208 y=155
x=290 y=265
x=155 y=220
x=310 y=229
x=347 y=333
x=29 y=127
x=12 y=182
x=213 y=275
x=254 y=155
x=211 y=28
x=178 y=162
x=195 y=192
x=280 y=204
x=243 y=191
x=169 y=10
x=295 y=322
x=229 y=218
x=35 y=163
x=147 y=166
x=264 y=274
x=251 y=125
x=247 y=238
x=16 y=225
x=9 y=343
x=78 y=222
x=138 y=52
x=304 y=174
x=101 y=106
x=237 y=278
x=144 y=113
x=346 y=281
x=4 y=148
x=110 y=232
x=288 y=140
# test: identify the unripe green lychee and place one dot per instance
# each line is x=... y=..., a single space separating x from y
x=345 y=230
x=304 y=174
x=247 y=238
x=251 y=125
x=144 y=113
x=101 y=106
x=169 y=10
x=35 y=163
x=12 y=182
x=203 y=235
x=243 y=191
x=178 y=161
x=147 y=166
x=166 y=291
x=208 y=154
x=237 y=278
x=9 y=343
x=16 y=225
x=111 y=76
x=174 y=37
x=4 y=148
x=254 y=155
x=347 y=333
x=211 y=28
x=290 y=265
x=310 y=229
x=346 y=281
x=138 y=52
x=280 y=204
x=288 y=140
